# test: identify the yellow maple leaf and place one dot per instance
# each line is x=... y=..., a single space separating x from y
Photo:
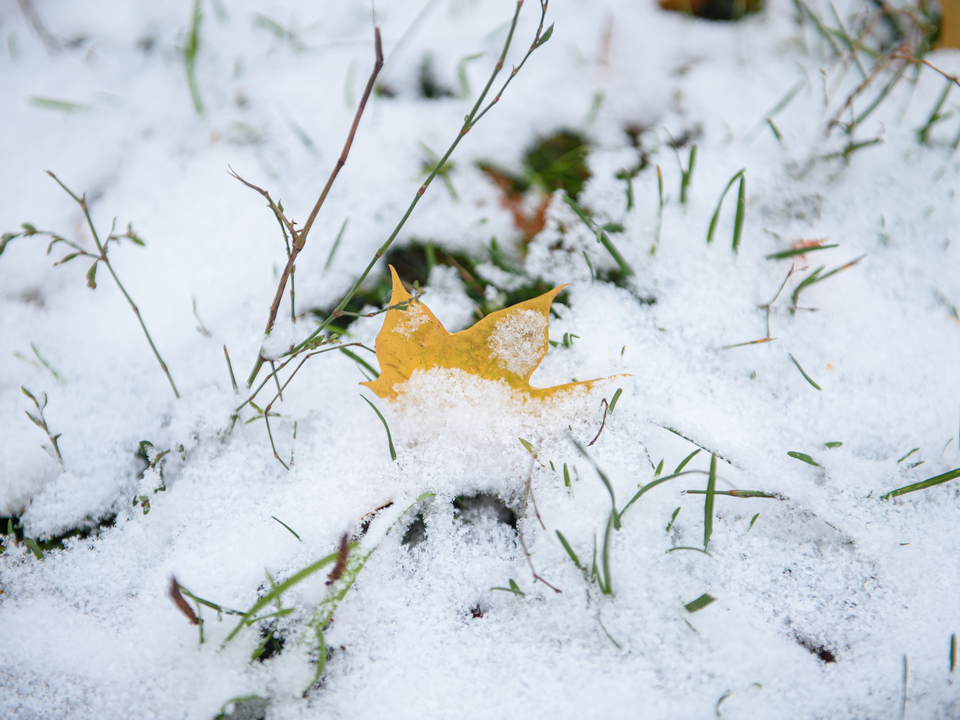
x=506 y=345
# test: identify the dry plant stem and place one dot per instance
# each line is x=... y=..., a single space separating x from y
x=602 y=423
x=780 y=290
x=880 y=67
x=471 y=119
x=921 y=61
x=82 y=201
x=528 y=493
x=295 y=371
x=300 y=238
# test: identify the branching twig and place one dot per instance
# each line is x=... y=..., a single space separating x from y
x=921 y=61
x=101 y=257
x=471 y=119
x=300 y=238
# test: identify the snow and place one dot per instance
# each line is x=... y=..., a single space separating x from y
x=516 y=343
x=89 y=631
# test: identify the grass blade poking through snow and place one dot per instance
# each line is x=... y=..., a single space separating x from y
x=658 y=481
x=803 y=457
x=774 y=111
x=601 y=235
x=716 y=214
x=189 y=51
x=393 y=453
x=278 y=591
x=606 y=586
x=570 y=552
x=700 y=603
x=708 y=503
x=686 y=460
x=803 y=250
x=803 y=372
x=287 y=527
x=816 y=277
x=616 y=396
x=938 y=480
x=741 y=212
x=606 y=481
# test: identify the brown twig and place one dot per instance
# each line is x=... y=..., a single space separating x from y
x=921 y=61
x=606 y=407
x=300 y=238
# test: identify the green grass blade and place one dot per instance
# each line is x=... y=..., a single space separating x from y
x=529 y=448
x=570 y=552
x=700 y=603
x=336 y=244
x=60 y=105
x=33 y=547
x=803 y=372
x=616 y=396
x=287 y=527
x=708 y=503
x=686 y=460
x=804 y=457
x=741 y=212
x=601 y=235
x=916 y=449
x=393 y=453
x=321 y=656
x=566 y=475
x=938 y=480
x=360 y=361
x=190 y=50
x=278 y=591
x=687 y=175
x=935 y=115
x=607 y=586
x=799 y=251
x=514 y=588
x=716 y=214
x=659 y=481
x=673 y=519
x=687 y=547
x=604 y=478
x=737 y=494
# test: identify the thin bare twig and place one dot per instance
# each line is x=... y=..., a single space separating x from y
x=469 y=121
x=921 y=61
x=300 y=238
x=606 y=407
x=102 y=257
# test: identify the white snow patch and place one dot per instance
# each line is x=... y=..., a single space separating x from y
x=413 y=317
x=516 y=342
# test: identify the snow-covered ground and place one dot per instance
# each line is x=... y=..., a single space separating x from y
x=829 y=601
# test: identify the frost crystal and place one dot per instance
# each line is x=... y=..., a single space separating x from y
x=413 y=318
x=517 y=342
